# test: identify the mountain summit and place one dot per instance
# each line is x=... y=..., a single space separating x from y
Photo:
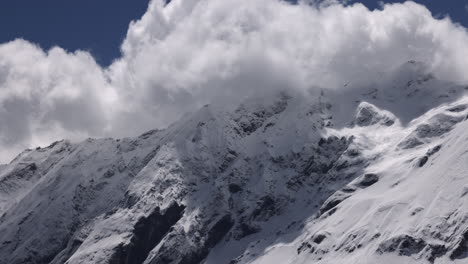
x=362 y=175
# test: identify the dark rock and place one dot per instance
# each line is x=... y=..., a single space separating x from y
x=267 y=126
x=368 y=114
x=54 y=144
x=149 y=133
x=458 y=108
x=461 y=249
x=437 y=125
x=368 y=179
x=246 y=230
x=404 y=245
x=32 y=167
x=436 y=251
x=331 y=148
x=342 y=165
x=219 y=230
x=129 y=201
x=234 y=188
x=249 y=120
x=147 y=233
x=214 y=235
x=422 y=161
x=305 y=246
x=434 y=127
x=318 y=238
x=228 y=159
x=109 y=173
x=333 y=201
x=266 y=207
x=348 y=189
x=434 y=150
x=352 y=153
x=73 y=244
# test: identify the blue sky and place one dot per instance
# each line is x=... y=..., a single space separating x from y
x=457 y=9
x=247 y=47
x=99 y=26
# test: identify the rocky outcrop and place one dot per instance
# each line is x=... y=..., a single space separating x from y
x=368 y=115
x=147 y=233
x=234 y=187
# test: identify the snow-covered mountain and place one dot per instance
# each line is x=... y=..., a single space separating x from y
x=356 y=175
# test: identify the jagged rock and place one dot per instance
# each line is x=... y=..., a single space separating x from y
x=319 y=237
x=405 y=245
x=249 y=185
x=461 y=249
x=368 y=115
x=333 y=201
x=249 y=121
x=266 y=207
x=436 y=126
x=147 y=233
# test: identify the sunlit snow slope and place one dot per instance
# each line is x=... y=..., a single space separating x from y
x=357 y=175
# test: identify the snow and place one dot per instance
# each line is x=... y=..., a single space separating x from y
x=424 y=202
x=364 y=175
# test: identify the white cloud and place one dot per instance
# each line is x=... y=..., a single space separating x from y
x=179 y=57
x=49 y=95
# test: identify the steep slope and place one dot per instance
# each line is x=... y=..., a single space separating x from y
x=409 y=206
x=368 y=173
x=53 y=192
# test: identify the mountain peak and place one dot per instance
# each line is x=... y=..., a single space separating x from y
x=278 y=177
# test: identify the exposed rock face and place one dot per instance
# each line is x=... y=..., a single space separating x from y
x=147 y=234
x=368 y=179
x=368 y=115
x=285 y=179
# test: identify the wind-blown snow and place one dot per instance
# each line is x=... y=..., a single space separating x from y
x=181 y=56
x=361 y=177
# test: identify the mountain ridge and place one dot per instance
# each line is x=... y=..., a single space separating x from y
x=287 y=176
